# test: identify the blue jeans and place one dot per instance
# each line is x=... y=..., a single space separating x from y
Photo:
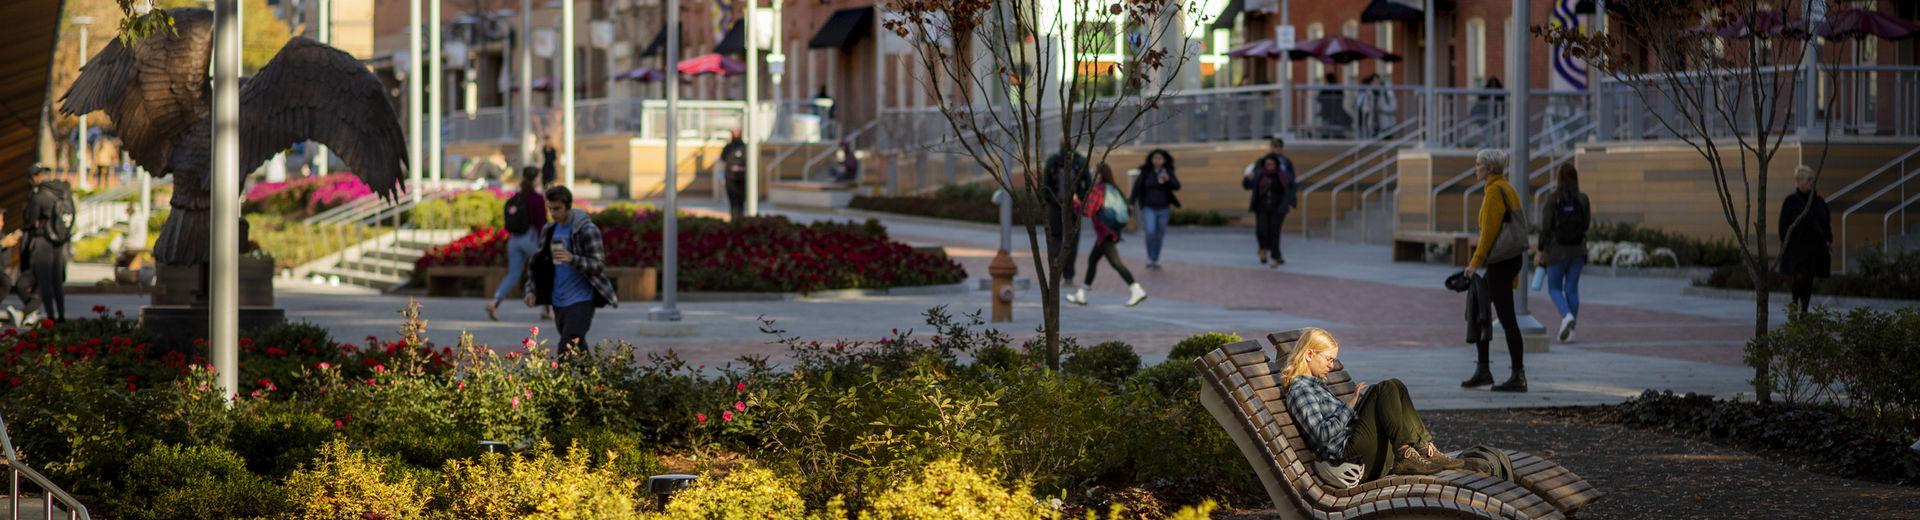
x=519 y=248
x=1563 y=285
x=1154 y=221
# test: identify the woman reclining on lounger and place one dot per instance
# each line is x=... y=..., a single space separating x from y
x=1378 y=429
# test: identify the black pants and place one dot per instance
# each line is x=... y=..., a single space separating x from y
x=1384 y=420
x=573 y=321
x=50 y=286
x=737 y=199
x=1266 y=228
x=1500 y=276
x=1056 y=238
x=1109 y=250
x=1802 y=290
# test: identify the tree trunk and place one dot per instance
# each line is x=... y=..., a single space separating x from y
x=1763 y=383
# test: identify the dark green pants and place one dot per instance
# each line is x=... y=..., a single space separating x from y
x=1385 y=420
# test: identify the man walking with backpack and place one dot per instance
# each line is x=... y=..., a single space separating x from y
x=526 y=213
x=49 y=227
x=1563 y=245
x=569 y=272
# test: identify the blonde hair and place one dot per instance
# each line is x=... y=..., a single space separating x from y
x=1314 y=340
x=1804 y=172
x=1493 y=159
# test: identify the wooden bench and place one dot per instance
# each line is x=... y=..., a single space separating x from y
x=1240 y=387
x=1411 y=246
x=629 y=283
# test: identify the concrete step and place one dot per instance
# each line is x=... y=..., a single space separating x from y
x=364 y=279
x=402 y=255
x=376 y=266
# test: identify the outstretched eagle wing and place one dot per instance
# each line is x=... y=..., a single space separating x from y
x=311 y=91
x=153 y=91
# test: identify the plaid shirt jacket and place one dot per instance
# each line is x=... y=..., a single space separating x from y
x=589 y=259
x=1326 y=420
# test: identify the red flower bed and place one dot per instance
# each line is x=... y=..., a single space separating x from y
x=760 y=254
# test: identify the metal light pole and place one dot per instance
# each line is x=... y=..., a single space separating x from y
x=326 y=36
x=224 y=254
x=1519 y=47
x=1431 y=105
x=567 y=82
x=1286 y=73
x=1595 y=81
x=436 y=80
x=752 y=126
x=670 y=237
x=414 y=112
x=81 y=152
x=525 y=42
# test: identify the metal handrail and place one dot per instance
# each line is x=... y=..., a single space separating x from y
x=1466 y=197
x=1901 y=183
x=850 y=137
x=75 y=510
x=1334 y=195
x=1886 y=229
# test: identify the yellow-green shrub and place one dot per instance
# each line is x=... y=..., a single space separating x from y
x=537 y=485
x=950 y=490
x=748 y=492
x=344 y=484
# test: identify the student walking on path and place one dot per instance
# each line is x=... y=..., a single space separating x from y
x=1106 y=208
x=1153 y=193
x=1271 y=181
x=1065 y=177
x=1502 y=225
x=1563 y=245
x=570 y=271
x=1807 y=240
x=526 y=215
x=734 y=158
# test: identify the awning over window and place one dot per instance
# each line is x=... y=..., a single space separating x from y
x=659 y=44
x=843 y=29
x=735 y=42
x=1225 y=21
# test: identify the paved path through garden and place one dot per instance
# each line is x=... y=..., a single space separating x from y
x=1393 y=319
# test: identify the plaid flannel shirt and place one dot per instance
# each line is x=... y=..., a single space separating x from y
x=589 y=256
x=1326 y=420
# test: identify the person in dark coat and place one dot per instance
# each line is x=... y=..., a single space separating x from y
x=1065 y=177
x=1806 y=235
x=1153 y=193
x=549 y=165
x=46 y=242
x=734 y=156
x=1271 y=181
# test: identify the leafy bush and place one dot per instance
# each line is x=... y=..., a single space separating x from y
x=348 y=484
x=539 y=484
x=174 y=482
x=748 y=492
x=1851 y=446
x=275 y=437
x=1866 y=356
x=1173 y=378
x=1001 y=357
x=1112 y=362
x=1876 y=273
x=469 y=210
x=300 y=198
x=1690 y=251
x=94 y=248
x=293 y=243
x=1198 y=345
x=626 y=454
x=950 y=489
x=965 y=202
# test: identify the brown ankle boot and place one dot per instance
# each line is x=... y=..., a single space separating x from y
x=1411 y=462
x=1433 y=453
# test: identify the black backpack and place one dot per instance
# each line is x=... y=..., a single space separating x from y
x=1570 y=220
x=52 y=200
x=515 y=218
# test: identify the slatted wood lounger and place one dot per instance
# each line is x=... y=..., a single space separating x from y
x=1240 y=387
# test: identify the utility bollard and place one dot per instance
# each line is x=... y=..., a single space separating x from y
x=1002 y=268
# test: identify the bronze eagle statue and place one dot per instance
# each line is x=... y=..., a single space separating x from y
x=159 y=96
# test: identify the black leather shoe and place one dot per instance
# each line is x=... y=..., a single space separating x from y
x=1481 y=377
x=1516 y=383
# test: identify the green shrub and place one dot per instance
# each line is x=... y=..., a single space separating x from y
x=1174 y=378
x=1690 y=251
x=1866 y=356
x=948 y=489
x=1198 y=345
x=1112 y=361
x=174 y=482
x=626 y=454
x=345 y=484
x=275 y=438
x=538 y=484
x=1001 y=357
x=748 y=492
x=94 y=248
x=1876 y=273
x=469 y=210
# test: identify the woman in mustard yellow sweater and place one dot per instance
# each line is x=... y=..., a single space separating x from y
x=1491 y=166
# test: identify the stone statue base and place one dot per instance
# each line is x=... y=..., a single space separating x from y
x=179 y=312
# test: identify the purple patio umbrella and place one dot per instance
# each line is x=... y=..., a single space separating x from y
x=1339 y=50
x=643 y=75
x=1860 y=23
x=1258 y=49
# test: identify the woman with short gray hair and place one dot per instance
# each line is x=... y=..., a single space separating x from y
x=1500 y=212
x=1807 y=241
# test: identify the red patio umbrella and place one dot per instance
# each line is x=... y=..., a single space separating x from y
x=1339 y=50
x=1258 y=49
x=712 y=64
x=1860 y=23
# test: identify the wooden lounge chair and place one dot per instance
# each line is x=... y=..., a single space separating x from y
x=1241 y=388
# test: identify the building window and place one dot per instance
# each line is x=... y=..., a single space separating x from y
x=1351 y=30
x=1316 y=73
x=1383 y=38
x=1476 y=52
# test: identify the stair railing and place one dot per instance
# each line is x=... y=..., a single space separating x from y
x=51 y=493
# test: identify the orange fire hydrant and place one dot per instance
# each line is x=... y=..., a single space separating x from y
x=1002 y=268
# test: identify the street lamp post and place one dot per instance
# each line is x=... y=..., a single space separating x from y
x=525 y=42
x=224 y=254
x=435 y=79
x=81 y=152
x=1519 y=47
x=414 y=112
x=670 y=247
x=1431 y=104
x=325 y=27
x=751 y=126
x=567 y=82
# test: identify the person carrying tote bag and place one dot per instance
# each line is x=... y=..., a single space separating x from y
x=1502 y=250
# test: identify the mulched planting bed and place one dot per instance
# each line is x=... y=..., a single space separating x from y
x=1648 y=474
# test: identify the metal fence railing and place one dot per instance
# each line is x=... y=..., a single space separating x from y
x=53 y=498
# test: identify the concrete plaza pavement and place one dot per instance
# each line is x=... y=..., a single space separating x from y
x=1393 y=319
